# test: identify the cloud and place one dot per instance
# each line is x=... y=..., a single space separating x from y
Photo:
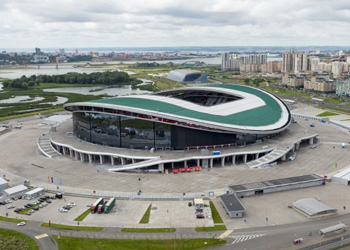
x=120 y=23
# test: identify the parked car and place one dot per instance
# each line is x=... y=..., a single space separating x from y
x=62 y=210
x=22 y=223
x=200 y=216
x=190 y=204
x=11 y=206
x=71 y=204
x=27 y=213
x=48 y=201
x=36 y=208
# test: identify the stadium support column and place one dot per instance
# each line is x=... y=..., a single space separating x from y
x=198 y=162
x=311 y=141
x=64 y=151
x=122 y=160
x=90 y=158
x=76 y=154
x=71 y=153
x=297 y=146
x=101 y=159
x=245 y=158
x=81 y=157
x=161 y=167
x=211 y=162
x=223 y=162
x=112 y=160
x=233 y=159
x=256 y=156
x=172 y=165
x=185 y=164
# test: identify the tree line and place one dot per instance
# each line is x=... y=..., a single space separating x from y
x=98 y=78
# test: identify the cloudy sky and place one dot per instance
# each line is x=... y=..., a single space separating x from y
x=149 y=23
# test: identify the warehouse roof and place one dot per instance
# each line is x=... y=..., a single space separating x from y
x=276 y=182
x=15 y=189
x=255 y=109
x=232 y=203
x=313 y=207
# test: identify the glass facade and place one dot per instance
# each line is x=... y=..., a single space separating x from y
x=128 y=132
x=119 y=131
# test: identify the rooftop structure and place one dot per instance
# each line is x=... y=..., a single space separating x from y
x=277 y=185
x=312 y=207
x=232 y=205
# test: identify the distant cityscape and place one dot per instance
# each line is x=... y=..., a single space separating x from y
x=326 y=72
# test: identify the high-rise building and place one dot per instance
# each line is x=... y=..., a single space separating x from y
x=230 y=61
x=294 y=62
x=38 y=51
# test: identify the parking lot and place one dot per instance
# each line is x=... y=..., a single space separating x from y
x=125 y=213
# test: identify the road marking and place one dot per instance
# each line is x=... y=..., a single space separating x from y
x=225 y=234
x=38 y=237
x=241 y=238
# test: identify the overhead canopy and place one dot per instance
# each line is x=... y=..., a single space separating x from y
x=313 y=207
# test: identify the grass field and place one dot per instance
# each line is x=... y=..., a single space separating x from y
x=214 y=228
x=13 y=220
x=287 y=92
x=148 y=230
x=327 y=113
x=145 y=217
x=68 y=243
x=83 y=215
x=216 y=216
x=12 y=240
x=29 y=208
x=68 y=227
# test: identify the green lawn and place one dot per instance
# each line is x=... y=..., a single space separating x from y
x=327 y=113
x=11 y=219
x=68 y=227
x=215 y=213
x=148 y=230
x=12 y=240
x=68 y=243
x=83 y=215
x=333 y=101
x=145 y=218
x=287 y=92
x=214 y=228
x=29 y=208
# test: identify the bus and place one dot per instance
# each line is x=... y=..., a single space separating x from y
x=94 y=207
x=109 y=205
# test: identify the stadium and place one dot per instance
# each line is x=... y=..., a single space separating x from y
x=187 y=75
x=193 y=117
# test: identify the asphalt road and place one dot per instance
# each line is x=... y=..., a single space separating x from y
x=281 y=237
x=33 y=230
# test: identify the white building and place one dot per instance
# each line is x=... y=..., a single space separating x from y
x=3 y=184
x=16 y=191
x=34 y=193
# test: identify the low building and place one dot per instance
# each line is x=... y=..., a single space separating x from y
x=277 y=185
x=3 y=184
x=34 y=193
x=313 y=208
x=232 y=205
x=15 y=192
x=342 y=177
